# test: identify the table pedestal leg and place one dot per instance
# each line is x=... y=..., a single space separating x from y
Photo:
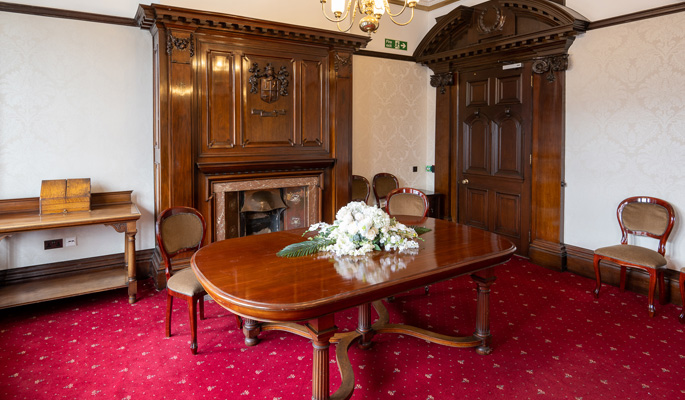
x=321 y=330
x=484 y=279
x=364 y=326
x=251 y=330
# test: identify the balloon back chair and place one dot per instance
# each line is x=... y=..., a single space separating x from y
x=360 y=188
x=383 y=183
x=408 y=201
x=181 y=230
x=640 y=216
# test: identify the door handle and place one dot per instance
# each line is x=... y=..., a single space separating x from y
x=464 y=181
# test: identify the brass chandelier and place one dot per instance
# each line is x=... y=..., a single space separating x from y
x=372 y=10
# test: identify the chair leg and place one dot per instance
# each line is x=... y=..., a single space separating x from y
x=425 y=290
x=682 y=297
x=662 y=287
x=652 y=287
x=238 y=321
x=597 y=275
x=201 y=300
x=192 y=312
x=623 y=279
x=169 y=306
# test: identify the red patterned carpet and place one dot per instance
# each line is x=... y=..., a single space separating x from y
x=552 y=340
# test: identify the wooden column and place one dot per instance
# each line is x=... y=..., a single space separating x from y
x=547 y=211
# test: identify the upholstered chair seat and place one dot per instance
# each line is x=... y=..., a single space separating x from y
x=185 y=282
x=633 y=254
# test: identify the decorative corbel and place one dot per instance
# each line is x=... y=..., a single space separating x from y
x=342 y=66
x=442 y=80
x=550 y=64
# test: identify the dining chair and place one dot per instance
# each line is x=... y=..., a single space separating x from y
x=640 y=216
x=383 y=183
x=408 y=201
x=360 y=188
x=181 y=230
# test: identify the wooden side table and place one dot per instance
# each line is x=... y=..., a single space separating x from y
x=113 y=209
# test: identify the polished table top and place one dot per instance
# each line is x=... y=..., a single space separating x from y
x=247 y=277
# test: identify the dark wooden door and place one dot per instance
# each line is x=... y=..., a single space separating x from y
x=493 y=176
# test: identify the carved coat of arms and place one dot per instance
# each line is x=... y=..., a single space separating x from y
x=270 y=84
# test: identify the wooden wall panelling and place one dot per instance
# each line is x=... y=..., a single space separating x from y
x=220 y=114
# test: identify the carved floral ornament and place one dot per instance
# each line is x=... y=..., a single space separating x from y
x=442 y=80
x=180 y=43
x=550 y=65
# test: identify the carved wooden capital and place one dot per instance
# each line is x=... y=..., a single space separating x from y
x=442 y=80
x=550 y=64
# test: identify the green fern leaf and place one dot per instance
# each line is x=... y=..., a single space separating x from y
x=303 y=248
x=420 y=230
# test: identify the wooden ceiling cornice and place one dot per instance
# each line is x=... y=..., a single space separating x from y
x=148 y=16
x=516 y=30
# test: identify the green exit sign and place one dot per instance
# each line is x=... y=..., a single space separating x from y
x=395 y=44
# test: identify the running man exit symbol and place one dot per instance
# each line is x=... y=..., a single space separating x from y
x=395 y=44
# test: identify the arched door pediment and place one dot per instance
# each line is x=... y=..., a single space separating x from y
x=499 y=29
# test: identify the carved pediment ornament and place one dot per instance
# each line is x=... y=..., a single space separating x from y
x=180 y=44
x=442 y=80
x=549 y=65
x=496 y=25
x=270 y=84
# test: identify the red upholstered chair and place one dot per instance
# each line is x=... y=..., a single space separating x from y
x=360 y=188
x=640 y=216
x=179 y=230
x=383 y=183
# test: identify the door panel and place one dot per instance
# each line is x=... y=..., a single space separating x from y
x=493 y=174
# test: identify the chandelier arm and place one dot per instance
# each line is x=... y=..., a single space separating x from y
x=354 y=15
x=387 y=10
x=402 y=23
x=341 y=18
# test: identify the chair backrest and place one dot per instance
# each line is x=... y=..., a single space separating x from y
x=179 y=229
x=646 y=216
x=360 y=188
x=407 y=201
x=383 y=183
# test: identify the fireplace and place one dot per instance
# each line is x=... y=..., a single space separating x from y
x=254 y=206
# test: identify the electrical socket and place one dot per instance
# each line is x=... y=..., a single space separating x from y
x=68 y=242
x=52 y=244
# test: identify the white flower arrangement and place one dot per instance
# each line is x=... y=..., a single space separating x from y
x=358 y=229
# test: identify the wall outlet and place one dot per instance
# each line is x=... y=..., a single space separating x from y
x=52 y=244
x=68 y=242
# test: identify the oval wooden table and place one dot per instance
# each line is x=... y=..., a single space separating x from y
x=301 y=295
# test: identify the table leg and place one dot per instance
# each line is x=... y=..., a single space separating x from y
x=321 y=330
x=130 y=254
x=251 y=329
x=484 y=279
x=364 y=326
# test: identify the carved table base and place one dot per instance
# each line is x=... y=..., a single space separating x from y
x=322 y=331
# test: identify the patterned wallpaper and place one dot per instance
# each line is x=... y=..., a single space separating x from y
x=394 y=121
x=65 y=112
x=625 y=127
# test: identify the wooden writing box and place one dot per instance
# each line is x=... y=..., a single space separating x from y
x=64 y=195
